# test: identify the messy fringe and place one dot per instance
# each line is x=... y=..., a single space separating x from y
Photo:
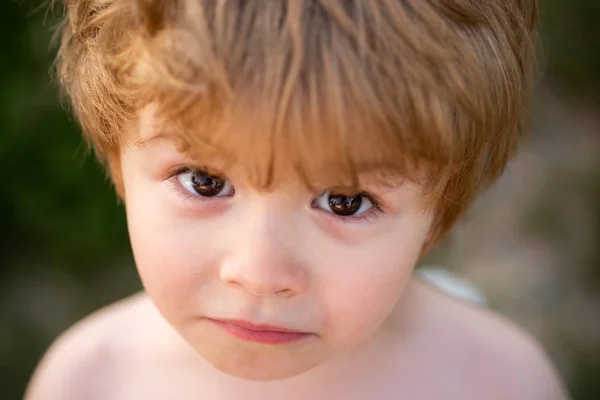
x=394 y=86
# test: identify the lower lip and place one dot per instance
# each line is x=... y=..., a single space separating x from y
x=260 y=336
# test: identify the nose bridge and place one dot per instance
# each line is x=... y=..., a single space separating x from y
x=263 y=257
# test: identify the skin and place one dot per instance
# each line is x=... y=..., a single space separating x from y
x=282 y=258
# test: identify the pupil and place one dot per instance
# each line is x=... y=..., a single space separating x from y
x=344 y=205
x=207 y=185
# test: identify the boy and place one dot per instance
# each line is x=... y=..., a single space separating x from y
x=284 y=165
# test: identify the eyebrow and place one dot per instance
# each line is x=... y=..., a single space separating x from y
x=367 y=172
x=194 y=152
x=179 y=140
x=161 y=136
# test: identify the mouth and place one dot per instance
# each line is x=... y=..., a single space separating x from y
x=260 y=333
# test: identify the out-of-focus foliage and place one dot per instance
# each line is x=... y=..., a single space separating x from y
x=571 y=43
x=60 y=216
x=45 y=211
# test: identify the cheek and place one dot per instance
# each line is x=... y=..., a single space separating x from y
x=169 y=256
x=366 y=282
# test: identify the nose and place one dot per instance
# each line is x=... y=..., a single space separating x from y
x=263 y=258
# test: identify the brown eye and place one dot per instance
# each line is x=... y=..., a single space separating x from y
x=198 y=182
x=342 y=205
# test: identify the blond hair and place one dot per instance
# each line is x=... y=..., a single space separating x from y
x=394 y=85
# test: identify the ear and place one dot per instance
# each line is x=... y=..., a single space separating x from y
x=429 y=242
x=116 y=173
x=434 y=236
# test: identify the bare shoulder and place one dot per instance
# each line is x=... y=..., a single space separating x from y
x=496 y=357
x=78 y=363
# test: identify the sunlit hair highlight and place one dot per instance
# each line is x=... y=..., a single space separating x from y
x=430 y=90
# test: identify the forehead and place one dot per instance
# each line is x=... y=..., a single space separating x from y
x=248 y=142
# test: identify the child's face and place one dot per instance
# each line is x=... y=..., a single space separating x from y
x=212 y=248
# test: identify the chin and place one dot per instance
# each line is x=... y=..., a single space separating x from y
x=263 y=373
x=256 y=361
x=262 y=364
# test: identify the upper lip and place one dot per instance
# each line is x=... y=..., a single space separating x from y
x=256 y=327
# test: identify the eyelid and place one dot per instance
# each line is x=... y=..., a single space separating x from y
x=181 y=191
x=368 y=216
x=180 y=169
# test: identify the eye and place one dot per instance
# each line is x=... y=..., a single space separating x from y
x=201 y=183
x=342 y=205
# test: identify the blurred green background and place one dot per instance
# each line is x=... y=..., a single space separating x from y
x=531 y=242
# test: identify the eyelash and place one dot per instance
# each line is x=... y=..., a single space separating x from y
x=368 y=217
x=179 y=190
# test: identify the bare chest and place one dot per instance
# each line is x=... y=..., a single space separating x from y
x=152 y=381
